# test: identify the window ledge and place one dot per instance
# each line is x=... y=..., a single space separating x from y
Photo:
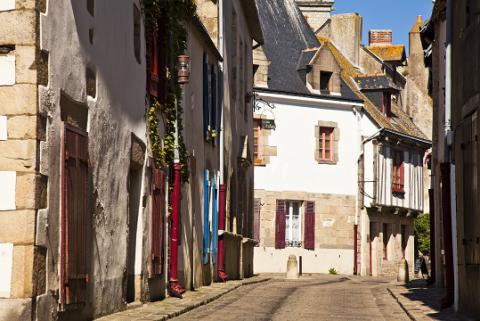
x=327 y=162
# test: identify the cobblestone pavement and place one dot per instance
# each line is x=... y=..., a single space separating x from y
x=317 y=298
x=422 y=302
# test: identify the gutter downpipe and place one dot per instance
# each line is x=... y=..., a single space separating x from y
x=221 y=275
x=450 y=216
x=174 y=287
x=357 y=204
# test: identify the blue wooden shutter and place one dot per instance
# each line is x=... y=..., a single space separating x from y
x=213 y=122
x=206 y=98
x=214 y=219
x=309 y=229
x=206 y=223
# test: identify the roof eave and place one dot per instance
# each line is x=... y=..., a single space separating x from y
x=253 y=20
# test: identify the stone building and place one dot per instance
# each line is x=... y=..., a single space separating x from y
x=72 y=157
x=83 y=204
x=451 y=45
x=343 y=191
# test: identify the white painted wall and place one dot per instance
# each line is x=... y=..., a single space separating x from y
x=8 y=181
x=295 y=168
x=3 y=127
x=6 y=5
x=7 y=70
x=271 y=260
x=6 y=259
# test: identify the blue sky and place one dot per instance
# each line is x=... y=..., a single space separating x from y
x=398 y=15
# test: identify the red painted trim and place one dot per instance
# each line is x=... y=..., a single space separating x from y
x=221 y=226
x=174 y=223
x=355 y=249
x=62 y=220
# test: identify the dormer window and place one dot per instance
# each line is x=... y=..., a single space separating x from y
x=325 y=77
x=387 y=104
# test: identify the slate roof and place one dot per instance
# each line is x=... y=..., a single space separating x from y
x=389 y=53
x=286 y=34
x=375 y=82
x=400 y=122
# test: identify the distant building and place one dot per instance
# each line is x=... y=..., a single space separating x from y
x=339 y=177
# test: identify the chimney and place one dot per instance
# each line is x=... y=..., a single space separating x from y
x=316 y=12
x=380 y=37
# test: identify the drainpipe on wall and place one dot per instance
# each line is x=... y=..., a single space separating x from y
x=174 y=288
x=357 y=203
x=222 y=276
x=450 y=215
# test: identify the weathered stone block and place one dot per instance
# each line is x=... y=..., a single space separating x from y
x=17 y=227
x=22 y=127
x=26 y=4
x=18 y=99
x=18 y=27
x=15 y=309
x=22 y=271
x=41 y=231
x=18 y=155
x=31 y=191
x=26 y=70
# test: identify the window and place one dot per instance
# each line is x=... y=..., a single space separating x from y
x=327 y=135
x=136 y=33
x=398 y=172
x=257 y=142
x=325 y=77
x=293 y=232
x=91 y=78
x=211 y=89
x=75 y=217
x=387 y=104
x=288 y=224
x=326 y=140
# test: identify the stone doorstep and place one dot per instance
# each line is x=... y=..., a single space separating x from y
x=172 y=307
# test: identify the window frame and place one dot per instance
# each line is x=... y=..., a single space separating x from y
x=398 y=172
x=324 y=132
x=289 y=237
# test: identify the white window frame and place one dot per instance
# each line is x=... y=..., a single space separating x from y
x=289 y=240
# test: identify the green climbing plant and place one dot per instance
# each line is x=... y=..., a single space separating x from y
x=422 y=233
x=172 y=14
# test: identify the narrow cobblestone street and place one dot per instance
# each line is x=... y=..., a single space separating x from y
x=317 y=298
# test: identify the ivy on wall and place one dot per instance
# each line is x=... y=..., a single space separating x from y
x=172 y=14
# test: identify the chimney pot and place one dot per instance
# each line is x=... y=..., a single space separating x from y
x=377 y=37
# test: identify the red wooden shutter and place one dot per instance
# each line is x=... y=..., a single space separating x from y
x=398 y=172
x=309 y=229
x=158 y=208
x=154 y=79
x=280 y=225
x=256 y=219
x=75 y=218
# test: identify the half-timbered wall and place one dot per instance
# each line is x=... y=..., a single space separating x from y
x=412 y=197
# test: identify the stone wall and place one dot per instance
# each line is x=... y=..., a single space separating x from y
x=23 y=189
x=389 y=266
x=334 y=217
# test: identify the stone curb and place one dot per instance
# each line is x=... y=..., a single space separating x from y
x=409 y=314
x=181 y=307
